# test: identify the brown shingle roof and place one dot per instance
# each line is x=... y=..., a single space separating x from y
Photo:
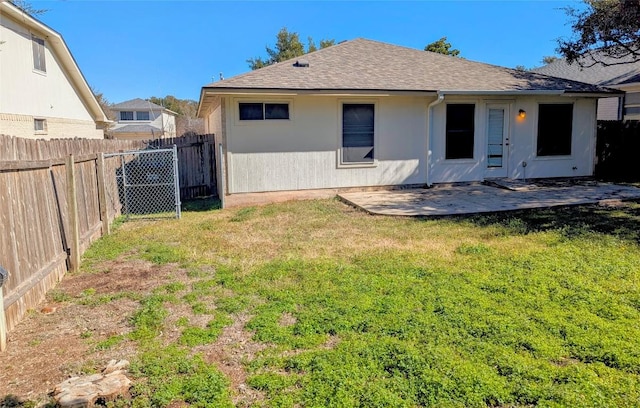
x=370 y=65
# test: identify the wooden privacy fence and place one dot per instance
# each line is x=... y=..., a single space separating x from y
x=15 y=148
x=617 y=150
x=196 y=164
x=51 y=209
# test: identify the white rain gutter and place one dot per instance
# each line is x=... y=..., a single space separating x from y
x=429 y=114
x=481 y=92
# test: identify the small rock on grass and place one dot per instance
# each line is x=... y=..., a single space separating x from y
x=81 y=392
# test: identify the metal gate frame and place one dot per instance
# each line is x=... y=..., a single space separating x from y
x=138 y=180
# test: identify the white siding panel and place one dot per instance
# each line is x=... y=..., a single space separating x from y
x=302 y=153
x=522 y=142
x=257 y=172
x=27 y=92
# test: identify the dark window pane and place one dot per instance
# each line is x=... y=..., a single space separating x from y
x=554 y=129
x=357 y=132
x=126 y=115
x=460 y=131
x=142 y=115
x=276 y=111
x=251 y=111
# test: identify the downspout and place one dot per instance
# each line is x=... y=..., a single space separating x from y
x=429 y=114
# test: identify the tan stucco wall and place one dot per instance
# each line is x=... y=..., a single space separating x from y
x=28 y=93
x=57 y=128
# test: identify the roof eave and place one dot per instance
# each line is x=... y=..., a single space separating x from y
x=311 y=91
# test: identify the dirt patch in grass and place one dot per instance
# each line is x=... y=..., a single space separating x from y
x=287 y=319
x=233 y=348
x=81 y=331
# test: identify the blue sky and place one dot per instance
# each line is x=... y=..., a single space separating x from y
x=130 y=49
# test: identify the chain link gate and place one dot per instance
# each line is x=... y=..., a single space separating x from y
x=148 y=183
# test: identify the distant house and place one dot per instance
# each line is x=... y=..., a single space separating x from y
x=43 y=94
x=365 y=113
x=625 y=77
x=138 y=119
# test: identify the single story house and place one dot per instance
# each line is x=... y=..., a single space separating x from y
x=138 y=119
x=622 y=74
x=364 y=113
x=43 y=93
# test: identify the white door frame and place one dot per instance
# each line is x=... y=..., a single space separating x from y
x=503 y=170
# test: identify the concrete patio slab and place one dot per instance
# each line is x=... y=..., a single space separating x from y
x=471 y=198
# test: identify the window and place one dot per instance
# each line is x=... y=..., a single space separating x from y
x=40 y=125
x=126 y=115
x=460 y=131
x=142 y=115
x=554 y=129
x=276 y=111
x=251 y=111
x=357 y=132
x=632 y=110
x=264 y=111
x=38 y=54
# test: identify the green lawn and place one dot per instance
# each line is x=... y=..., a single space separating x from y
x=538 y=308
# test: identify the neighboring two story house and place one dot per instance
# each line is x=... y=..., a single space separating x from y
x=43 y=94
x=138 y=119
x=623 y=76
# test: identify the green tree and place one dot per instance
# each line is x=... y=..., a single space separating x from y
x=548 y=59
x=607 y=32
x=442 y=47
x=288 y=45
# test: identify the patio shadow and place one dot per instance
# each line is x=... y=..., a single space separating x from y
x=619 y=219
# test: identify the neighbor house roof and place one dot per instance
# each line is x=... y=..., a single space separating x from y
x=374 y=66
x=137 y=129
x=139 y=104
x=56 y=44
x=598 y=74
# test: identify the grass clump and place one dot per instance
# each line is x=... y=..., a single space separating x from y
x=109 y=342
x=194 y=336
x=172 y=375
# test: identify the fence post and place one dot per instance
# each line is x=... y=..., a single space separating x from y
x=72 y=209
x=102 y=195
x=4 y=275
x=221 y=179
x=176 y=180
x=3 y=324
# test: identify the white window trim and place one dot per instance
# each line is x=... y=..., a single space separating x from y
x=263 y=122
x=45 y=129
x=376 y=142
x=535 y=131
